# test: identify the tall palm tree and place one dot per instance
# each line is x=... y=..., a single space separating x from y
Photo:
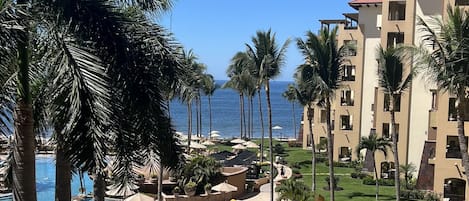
x=75 y=58
x=322 y=53
x=250 y=91
x=393 y=80
x=210 y=86
x=373 y=144
x=446 y=63
x=290 y=95
x=268 y=58
x=306 y=96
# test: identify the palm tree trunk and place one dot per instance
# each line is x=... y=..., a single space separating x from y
x=269 y=115
x=24 y=177
x=249 y=116
x=197 y=112
x=24 y=164
x=210 y=116
x=244 y=120
x=241 y=115
x=313 y=149
x=189 y=126
x=62 y=171
x=376 y=176
x=262 y=123
x=252 y=116
x=397 y=183
x=294 y=120
x=98 y=187
x=461 y=133
x=330 y=150
x=160 y=182
x=200 y=116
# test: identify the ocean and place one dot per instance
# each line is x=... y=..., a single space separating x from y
x=226 y=113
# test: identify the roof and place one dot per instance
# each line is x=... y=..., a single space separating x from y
x=353 y=16
x=358 y=3
x=243 y=158
x=223 y=155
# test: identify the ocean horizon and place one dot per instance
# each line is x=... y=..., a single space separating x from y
x=226 y=113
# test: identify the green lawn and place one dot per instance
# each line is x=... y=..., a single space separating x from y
x=353 y=188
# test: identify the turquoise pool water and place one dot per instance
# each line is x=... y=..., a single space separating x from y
x=45 y=179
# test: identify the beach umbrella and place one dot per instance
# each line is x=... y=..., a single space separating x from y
x=195 y=137
x=238 y=146
x=208 y=143
x=118 y=190
x=238 y=141
x=215 y=132
x=277 y=127
x=215 y=135
x=224 y=187
x=140 y=197
x=250 y=144
x=196 y=145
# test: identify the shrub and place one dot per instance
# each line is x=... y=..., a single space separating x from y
x=176 y=190
x=296 y=165
x=412 y=194
x=295 y=171
x=294 y=144
x=358 y=175
x=369 y=180
x=432 y=196
x=278 y=149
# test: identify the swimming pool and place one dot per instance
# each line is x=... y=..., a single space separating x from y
x=45 y=179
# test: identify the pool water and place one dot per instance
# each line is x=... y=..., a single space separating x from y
x=45 y=179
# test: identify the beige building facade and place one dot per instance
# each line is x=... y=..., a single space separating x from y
x=427 y=133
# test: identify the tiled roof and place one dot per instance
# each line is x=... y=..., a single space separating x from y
x=357 y=3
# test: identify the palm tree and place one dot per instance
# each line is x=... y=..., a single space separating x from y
x=446 y=65
x=291 y=189
x=290 y=95
x=408 y=169
x=268 y=59
x=374 y=144
x=209 y=88
x=81 y=89
x=325 y=57
x=306 y=96
x=393 y=82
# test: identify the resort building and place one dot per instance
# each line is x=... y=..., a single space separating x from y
x=425 y=117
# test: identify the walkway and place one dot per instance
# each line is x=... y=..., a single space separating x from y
x=264 y=193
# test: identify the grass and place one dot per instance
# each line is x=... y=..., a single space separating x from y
x=353 y=188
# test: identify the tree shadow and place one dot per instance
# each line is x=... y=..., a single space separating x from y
x=360 y=194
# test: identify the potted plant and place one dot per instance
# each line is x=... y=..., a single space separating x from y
x=190 y=188
x=176 y=191
x=208 y=188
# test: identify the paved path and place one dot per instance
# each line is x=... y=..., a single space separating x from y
x=264 y=193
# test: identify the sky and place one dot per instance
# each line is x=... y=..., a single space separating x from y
x=217 y=29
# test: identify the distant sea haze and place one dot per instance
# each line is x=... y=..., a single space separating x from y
x=226 y=113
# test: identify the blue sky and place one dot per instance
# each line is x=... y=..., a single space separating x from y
x=217 y=29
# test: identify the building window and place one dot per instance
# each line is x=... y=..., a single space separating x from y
x=351 y=47
x=322 y=145
x=454 y=189
x=349 y=73
x=453 y=112
x=323 y=116
x=434 y=99
x=346 y=122
x=396 y=10
x=395 y=38
x=387 y=131
x=462 y=2
x=452 y=147
x=346 y=98
x=387 y=103
x=345 y=154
